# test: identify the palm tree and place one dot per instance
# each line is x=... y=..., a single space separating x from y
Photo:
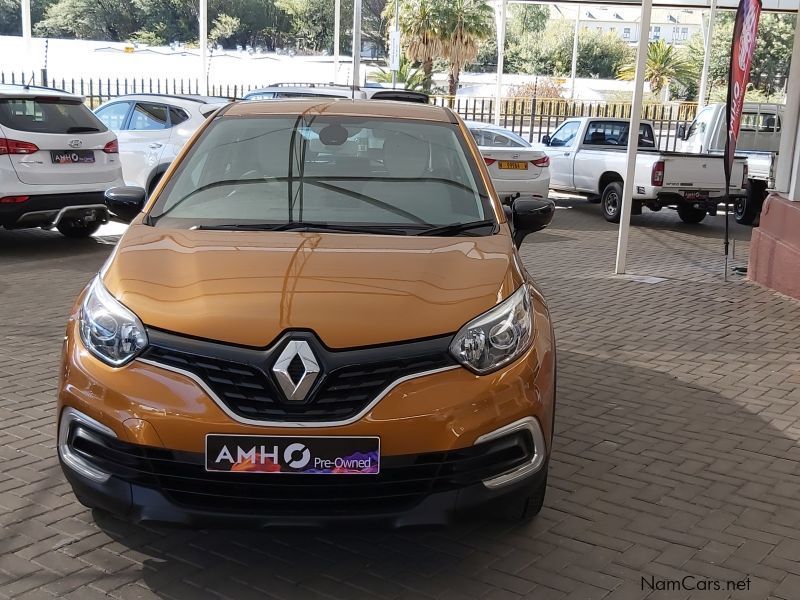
x=665 y=64
x=409 y=76
x=419 y=22
x=462 y=24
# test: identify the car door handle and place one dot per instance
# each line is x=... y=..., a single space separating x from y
x=566 y=154
x=154 y=145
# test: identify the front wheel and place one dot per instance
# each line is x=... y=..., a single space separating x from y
x=746 y=210
x=690 y=214
x=611 y=201
x=77 y=229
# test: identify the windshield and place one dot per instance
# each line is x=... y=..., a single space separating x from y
x=398 y=173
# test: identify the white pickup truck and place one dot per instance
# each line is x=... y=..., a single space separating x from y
x=759 y=140
x=588 y=157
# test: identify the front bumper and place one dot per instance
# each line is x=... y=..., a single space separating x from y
x=539 y=187
x=148 y=415
x=143 y=483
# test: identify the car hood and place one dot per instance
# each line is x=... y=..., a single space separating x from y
x=350 y=289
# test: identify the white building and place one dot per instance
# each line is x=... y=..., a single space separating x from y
x=673 y=25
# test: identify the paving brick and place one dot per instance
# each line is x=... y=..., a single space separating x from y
x=677 y=446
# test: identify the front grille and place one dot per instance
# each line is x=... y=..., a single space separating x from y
x=349 y=380
x=403 y=482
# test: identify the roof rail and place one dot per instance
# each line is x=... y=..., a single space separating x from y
x=27 y=86
x=189 y=97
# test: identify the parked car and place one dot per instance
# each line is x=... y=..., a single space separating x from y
x=284 y=91
x=240 y=357
x=759 y=140
x=588 y=157
x=56 y=161
x=516 y=167
x=152 y=129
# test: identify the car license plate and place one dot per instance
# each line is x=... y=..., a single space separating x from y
x=330 y=455
x=520 y=165
x=695 y=195
x=69 y=157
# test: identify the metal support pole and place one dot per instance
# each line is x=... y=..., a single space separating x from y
x=709 y=36
x=356 y=43
x=788 y=159
x=337 y=27
x=28 y=63
x=575 y=52
x=633 y=140
x=500 y=15
x=396 y=30
x=203 y=47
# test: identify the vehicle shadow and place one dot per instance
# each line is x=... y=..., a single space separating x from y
x=646 y=467
x=588 y=217
x=38 y=244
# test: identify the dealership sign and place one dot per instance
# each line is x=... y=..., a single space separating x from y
x=742 y=46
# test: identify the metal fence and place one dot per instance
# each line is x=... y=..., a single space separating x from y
x=99 y=90
x=532 y=118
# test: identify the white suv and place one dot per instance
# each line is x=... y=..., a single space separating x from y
x=152 y=129
x=56 y=161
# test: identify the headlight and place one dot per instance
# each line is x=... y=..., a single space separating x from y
x=108 y=329
x=498 y=336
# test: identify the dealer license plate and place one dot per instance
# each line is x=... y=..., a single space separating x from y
x=333 y=455
x=69 y=157
x=695 y=195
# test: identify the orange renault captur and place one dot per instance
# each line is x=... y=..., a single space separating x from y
x=320 y=315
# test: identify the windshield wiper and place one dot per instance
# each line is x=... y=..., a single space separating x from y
x=456 y=228
x=303 y=226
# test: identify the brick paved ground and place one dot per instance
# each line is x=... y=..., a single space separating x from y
x=676 y=452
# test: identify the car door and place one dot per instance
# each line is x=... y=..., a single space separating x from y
x=148 y=133
x=114 y=115
x=561 y=150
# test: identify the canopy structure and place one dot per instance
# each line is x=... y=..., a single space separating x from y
x=789 y=156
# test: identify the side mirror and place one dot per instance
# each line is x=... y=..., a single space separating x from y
x=546 y=140
x=681 y=131
x=530 y=215
x=125 y=202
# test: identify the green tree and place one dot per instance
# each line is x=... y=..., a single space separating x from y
x=771 y=58
x=11 y=15
x=90 y=19
x=525 y=24
x=599 y=54
x=419 y=31
x=463 y=23
x=665 y=64
x=223 y=28
x=410 y=77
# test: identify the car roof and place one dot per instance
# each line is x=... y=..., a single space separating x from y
x=355 y=108
x=185 y=97
x=327 y=90
x=20 y=90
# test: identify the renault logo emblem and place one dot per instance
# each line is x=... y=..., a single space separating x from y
x=296 y=370
x=75 y=143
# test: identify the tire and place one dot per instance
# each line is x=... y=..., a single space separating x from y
x=77 y=230
x=527 y=507
x=153 y=184
x=747 y=210
x=690 y=214
x=611 y=202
